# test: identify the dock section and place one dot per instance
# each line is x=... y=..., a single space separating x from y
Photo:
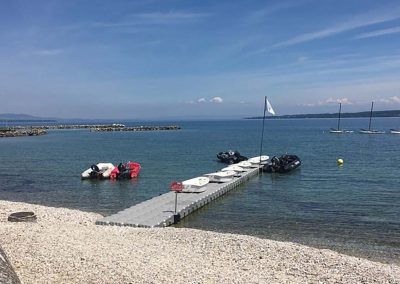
x=159 y=211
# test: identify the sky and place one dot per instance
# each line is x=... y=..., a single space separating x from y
x=171 y=59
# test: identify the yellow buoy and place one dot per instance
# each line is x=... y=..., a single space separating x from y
x=340 y=162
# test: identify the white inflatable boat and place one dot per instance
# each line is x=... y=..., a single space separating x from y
x=99 y=171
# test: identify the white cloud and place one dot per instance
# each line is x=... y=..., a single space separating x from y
x=356 y=22
x=344 y=101
x=201 y=100
x=379 y=33
x=217 y=100
x=391 y=100
x=395 y=99
x=49 y=52
x=154 y=18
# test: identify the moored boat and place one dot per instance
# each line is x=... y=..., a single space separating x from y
x=395 y=131
x=223 y=176
x=282 y=164
x=231 y=157
x=245 y=164
x=195 y=185
x=127 y=170
x=235 y=168
x=369 y=130
x=366 y=131
x=98 y=171
x=262 y=160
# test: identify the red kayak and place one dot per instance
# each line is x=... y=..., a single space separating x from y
x=126 y=171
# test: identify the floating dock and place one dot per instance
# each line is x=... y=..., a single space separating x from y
x=159 y=211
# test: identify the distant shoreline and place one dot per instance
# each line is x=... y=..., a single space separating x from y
x=384 y=113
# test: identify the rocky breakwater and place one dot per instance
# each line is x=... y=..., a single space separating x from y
x=136 y=128
x=9 y=132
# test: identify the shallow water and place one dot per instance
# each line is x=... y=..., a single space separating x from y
x=354 y=208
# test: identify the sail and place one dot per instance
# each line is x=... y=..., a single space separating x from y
x=270 y=109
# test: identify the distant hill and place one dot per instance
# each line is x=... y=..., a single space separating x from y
x=22 y=117
x=384 y=113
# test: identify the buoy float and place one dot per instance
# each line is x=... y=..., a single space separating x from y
x=340 y=162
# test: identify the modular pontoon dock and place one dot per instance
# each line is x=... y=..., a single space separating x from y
x=159 y=211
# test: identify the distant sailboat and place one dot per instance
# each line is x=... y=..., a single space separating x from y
x=338 y=130
x=371 y=131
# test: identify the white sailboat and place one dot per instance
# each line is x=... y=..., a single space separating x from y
x=369 y=130
x=338 y=130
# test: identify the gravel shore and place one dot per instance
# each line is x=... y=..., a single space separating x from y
x=64 y=246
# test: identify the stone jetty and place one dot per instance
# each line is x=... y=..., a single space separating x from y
x=9 y=132
x=40 y=130
x=136 y=128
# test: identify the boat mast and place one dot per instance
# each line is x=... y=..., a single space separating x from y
x=370 y=116
x=262 y=133
x=340 y=109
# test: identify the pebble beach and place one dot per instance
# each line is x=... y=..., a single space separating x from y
x=65 y=246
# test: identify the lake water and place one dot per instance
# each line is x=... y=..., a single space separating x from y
x=353 y=209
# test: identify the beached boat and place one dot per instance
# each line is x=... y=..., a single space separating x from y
x=195 y=185
x=259 y=160
x=230 y=157
x=98 y=171
x=395 y=131
x=220 y=177
x=369 y=130
x=283 y=164
x=235 y=168
x=128 y=170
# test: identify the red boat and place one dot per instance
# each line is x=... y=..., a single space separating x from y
x=126 y=171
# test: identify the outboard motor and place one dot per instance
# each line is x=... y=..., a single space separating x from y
x=95 y=171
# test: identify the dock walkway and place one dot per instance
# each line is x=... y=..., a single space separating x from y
x=159 y=211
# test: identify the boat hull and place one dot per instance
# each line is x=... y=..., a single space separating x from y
x=283 y=164
x=98 y=171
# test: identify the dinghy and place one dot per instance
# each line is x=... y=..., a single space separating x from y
x=220 y=177
x=99 y=171
x=245 y=164
x=128 y=170
x=259 y=160
x=235 y=168
x=195 y=185
x=283 y=164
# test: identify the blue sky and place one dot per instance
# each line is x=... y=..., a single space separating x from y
x=165 y=59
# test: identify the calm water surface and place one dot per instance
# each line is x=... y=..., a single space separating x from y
x=353 y=209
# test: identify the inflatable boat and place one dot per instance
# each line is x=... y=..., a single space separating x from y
x=98 y=171
x=230 y=157
x=127 y=170
x=283 y=164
